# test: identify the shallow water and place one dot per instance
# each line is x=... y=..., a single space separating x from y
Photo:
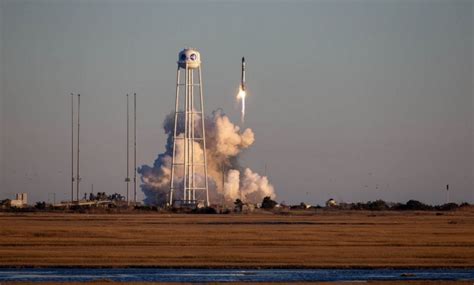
x=228 y=275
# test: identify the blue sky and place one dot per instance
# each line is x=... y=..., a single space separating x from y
x=352 y=100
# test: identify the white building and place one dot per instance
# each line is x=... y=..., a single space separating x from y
x=20 y=201
x=331 y=203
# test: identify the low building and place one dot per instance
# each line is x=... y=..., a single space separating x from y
x=192 y=204
x=20 y=201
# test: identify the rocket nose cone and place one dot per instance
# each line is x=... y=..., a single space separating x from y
x=243 y=59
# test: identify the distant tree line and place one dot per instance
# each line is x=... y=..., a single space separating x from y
x=270 y=204
x=102 y=196
x=411 y=205
x=377 y=205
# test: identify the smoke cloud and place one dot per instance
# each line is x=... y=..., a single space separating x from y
x=224 y=143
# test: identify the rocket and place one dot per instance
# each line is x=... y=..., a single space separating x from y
x=241 y=95
x=242 y=78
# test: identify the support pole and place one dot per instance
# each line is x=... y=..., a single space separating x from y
x=203 y=138
x=185 y=180
x=192 y=137
x=78 y=177
x=176 y=110
x=127 y=180
x=135 y=148
x=72 y=147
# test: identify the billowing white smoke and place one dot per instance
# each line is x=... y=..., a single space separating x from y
x=224 y=142
x=228 y=139
x=249 y=186
x=232 y=186
x=254 y=186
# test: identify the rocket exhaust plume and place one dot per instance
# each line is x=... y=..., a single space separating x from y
x=242 y=93
x=241 y=97
x=224 y=143
x=220 y=149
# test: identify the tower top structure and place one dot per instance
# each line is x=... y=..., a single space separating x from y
x=189 y=58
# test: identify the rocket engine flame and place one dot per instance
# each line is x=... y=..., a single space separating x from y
x=241 y=96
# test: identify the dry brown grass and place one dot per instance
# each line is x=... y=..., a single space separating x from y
x=328 y=239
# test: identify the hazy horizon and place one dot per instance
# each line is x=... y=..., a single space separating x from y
x=351 y=100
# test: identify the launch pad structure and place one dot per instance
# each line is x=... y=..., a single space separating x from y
x=189 y=167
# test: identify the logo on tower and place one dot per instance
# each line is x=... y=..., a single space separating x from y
x=189 y=59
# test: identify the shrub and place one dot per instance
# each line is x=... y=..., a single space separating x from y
x=417 y=205
x=205 y=210
x=378 y=205
x=447 y=207
x=268 y=203
x=238 y=205
x=40 y=205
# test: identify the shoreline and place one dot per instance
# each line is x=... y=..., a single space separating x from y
x=239 y=267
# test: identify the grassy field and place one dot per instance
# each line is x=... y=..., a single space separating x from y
x=326 y=239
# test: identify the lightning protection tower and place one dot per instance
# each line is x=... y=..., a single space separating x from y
x=189 y=183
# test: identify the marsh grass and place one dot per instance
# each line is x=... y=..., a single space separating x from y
x=328 y=239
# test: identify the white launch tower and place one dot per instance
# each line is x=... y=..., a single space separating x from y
x=189 y=164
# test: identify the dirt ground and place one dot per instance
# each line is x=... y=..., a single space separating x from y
x=325 y=239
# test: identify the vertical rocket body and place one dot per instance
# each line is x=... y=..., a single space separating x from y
x=242 y=78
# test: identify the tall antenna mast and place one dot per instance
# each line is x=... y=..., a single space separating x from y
x=78 y=129
x=72 y=147
x=127 y=179
x=135 y=148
